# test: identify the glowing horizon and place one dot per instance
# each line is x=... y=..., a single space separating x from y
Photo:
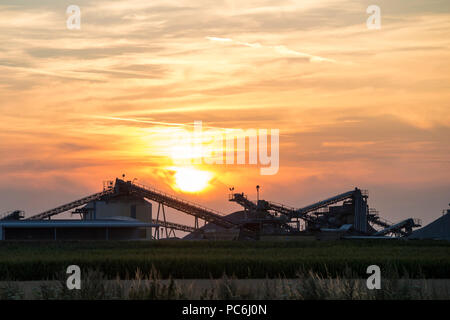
x=354 y=107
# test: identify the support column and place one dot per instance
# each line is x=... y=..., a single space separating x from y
x=165 y=222
x=157 y=219
x=149 y=232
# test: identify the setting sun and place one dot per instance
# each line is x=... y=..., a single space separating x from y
x=191 y=180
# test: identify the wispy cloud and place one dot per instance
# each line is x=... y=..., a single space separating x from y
x=283 y=50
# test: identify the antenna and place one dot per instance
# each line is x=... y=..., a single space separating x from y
x=257 y=192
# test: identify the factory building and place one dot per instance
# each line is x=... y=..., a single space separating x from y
x=123 y=211
x=130 y=206
x=74 y=230
x=112 y=217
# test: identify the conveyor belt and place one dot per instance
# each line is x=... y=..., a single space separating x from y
x=176 y=203
x=70 y=205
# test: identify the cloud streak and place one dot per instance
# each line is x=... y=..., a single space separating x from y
x=280 y=49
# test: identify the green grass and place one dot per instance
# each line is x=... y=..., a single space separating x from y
x=203 y=259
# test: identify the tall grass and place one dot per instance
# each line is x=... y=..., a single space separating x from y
x=306 y=286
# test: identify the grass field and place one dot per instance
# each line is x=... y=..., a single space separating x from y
x=244 y=260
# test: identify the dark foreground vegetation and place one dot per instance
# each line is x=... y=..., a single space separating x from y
x=306 y=286
x=20 y=261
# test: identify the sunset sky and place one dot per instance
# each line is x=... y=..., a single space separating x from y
x=354 y=107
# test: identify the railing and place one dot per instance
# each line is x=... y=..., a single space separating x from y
x=4 y=215
x=326 y=202
x=108 y=185
x=172 y=225
x=241 y=199
x=324 y=210
x=20 y=214
x=397 y=228
x=178 y=199
x=381 y=222
x=231 y=196
x=70 y=205
x=282 y=206
x=288 y=211
x=177 y=203
x=318 y=205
